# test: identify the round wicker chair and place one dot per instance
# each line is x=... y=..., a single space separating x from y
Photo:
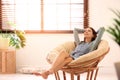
x=87 y=63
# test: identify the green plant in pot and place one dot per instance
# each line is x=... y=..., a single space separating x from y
x=114 y=30
x=16 y=38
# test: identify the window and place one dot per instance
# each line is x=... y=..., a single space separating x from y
x=43 y=15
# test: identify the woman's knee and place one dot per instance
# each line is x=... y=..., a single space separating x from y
x=68 y=60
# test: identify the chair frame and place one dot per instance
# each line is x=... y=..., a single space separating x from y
x=91 y=69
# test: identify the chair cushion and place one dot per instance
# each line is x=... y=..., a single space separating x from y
x=66 y=47
x=102 y=49
x=70 y=46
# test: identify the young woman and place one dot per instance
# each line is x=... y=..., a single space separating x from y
x=82 y=47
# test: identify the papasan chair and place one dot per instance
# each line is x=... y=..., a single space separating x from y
x=87 y=63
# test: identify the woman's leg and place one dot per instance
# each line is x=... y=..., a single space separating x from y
x=56 y=67
x=65 y=62
x=62 y=59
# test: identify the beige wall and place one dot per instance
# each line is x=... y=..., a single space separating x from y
x=38 y=45
x=100 y=14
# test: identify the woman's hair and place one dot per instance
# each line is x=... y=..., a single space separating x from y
x=94 y=33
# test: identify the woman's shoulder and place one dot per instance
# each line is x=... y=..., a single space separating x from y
x=82 y=42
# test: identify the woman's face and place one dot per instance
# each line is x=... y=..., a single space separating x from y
x=88 y=33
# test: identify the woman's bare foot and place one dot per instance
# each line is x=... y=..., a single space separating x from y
x=44 y=74
x=37 y=73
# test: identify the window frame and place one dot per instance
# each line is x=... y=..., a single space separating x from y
x=85 y=24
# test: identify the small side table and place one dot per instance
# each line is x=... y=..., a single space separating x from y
x=7 y=61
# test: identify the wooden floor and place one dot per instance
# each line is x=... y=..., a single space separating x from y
x=51 y=77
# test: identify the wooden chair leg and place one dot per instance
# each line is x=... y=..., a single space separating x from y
x=57 y=77
x=91 y=75
x=96 y=73
x=88 y=75
x=72 y=76
x=64 y=75
x=78 y=77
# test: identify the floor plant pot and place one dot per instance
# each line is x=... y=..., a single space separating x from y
x=117 y=67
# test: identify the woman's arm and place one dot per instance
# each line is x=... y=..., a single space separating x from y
x=76 y=31
x=98 y=38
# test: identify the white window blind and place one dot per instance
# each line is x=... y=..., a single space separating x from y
x=42 y=14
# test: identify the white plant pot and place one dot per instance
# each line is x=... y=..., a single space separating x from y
x=4 y=43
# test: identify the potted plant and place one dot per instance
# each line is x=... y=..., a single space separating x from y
x=114 y=30
x=15 y=38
